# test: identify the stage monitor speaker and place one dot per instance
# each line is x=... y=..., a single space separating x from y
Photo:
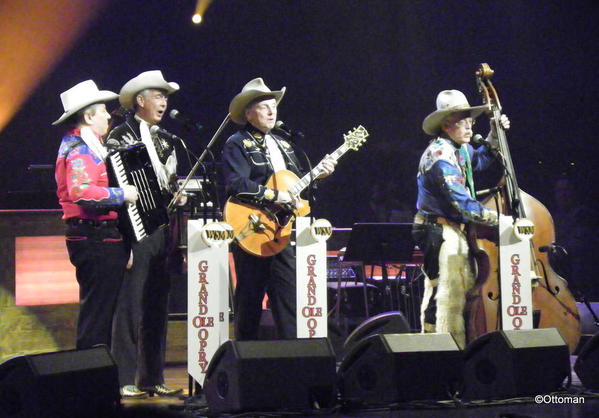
x=386 y=368
x=587 y=364
x=74 y=383
x=271 y=375
x=508 y=364
x=392 y=322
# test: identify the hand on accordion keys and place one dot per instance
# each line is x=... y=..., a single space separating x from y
x=181 y=195
x=182 y=199
x=130 y=193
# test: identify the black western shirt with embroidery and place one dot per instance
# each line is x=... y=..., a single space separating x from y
x=247 y=166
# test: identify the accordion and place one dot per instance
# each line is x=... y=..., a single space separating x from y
x=132 y=166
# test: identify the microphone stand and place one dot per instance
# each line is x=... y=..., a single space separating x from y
x=193 y=386
x=207 y=150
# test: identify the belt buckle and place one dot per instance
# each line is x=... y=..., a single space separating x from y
x=424 y=219
x=419 y=219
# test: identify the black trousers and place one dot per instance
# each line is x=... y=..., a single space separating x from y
x=140 y=323
x=99 y=256
x=429 y=238
x=256 y=276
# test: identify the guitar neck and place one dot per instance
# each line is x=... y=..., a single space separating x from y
x=298 y=187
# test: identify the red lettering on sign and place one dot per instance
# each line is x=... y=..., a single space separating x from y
x=515 y=259
x=202 y=278
x=517 y=322
x=202 y=321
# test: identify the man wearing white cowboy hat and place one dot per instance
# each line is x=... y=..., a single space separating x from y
x=140 y=324
x=95 y=245
x=250 y=157
x=446 y=202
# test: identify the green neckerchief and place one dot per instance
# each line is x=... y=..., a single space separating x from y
x=469 y=178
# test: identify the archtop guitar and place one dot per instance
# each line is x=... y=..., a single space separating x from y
x=266 y=231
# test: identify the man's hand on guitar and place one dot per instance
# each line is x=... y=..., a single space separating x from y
x=327 y=166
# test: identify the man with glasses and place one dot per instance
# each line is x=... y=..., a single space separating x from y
x=140 y=323
x=446 y=202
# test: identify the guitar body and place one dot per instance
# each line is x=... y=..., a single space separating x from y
x=264 y=232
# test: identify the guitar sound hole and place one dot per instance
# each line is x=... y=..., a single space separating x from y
x=491 y=296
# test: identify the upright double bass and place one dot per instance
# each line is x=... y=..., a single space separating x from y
x=553 y=304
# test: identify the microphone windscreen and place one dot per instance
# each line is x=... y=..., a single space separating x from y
x=478 y=139
x=112 y=143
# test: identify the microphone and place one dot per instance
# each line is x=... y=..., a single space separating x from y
x=484 y=192
x=286 y=130
x=112 y=144
x=155 y=130
x=187 y=123
x=478 y=140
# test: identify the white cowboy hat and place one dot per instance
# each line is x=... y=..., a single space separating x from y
x=80 y=96
x=251 y=91
x=146 y=80
x=448 y=102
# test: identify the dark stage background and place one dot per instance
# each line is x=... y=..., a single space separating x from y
x=345 y=62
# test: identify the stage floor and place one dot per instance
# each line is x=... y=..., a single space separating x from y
x=176 y=376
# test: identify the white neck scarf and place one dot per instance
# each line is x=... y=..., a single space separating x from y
x=276 y=157
x=93 y=142
x=159 y=169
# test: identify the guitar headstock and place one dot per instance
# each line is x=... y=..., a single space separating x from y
x=355 y=138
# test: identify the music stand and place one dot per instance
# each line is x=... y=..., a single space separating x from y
x=376 y=242
x=380 y=243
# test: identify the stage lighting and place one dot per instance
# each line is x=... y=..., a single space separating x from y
x=201 y=7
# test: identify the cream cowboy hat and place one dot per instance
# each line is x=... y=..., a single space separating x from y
x=448 y=102
x=80 y=96
x=251 y=91
x=146 y=80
